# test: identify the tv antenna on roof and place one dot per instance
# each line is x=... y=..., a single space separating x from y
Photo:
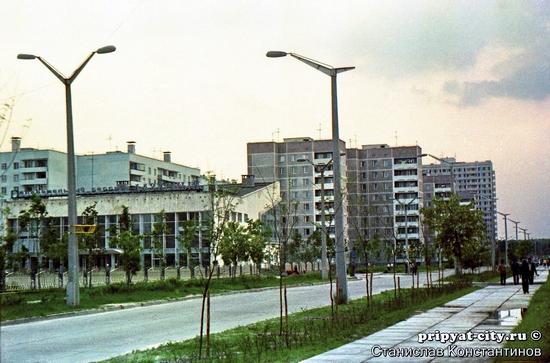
x=320 y=129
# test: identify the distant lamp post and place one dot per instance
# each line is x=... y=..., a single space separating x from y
x=73 y=292
x=338 y=215
x=322 y=168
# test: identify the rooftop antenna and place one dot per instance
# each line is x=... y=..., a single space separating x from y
x=396 y=144
x=320 y=129
x=355 y=136
x=110 y=139
x=278 y=132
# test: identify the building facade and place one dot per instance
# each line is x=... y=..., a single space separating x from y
x=28 y=171
x=385 y=193
x=473 y=181
x=302 y=166
x=179 y=204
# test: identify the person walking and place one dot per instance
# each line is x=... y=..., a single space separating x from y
x=515 y=271
x=532 y=271
x=525 y=276
x=502 y=272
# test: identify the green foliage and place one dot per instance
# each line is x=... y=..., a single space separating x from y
x=186 y=239
x=11 y=298
x=125 y=239
x=458 y=228
x=519 y=250
x=158 y=235
x=242 y=243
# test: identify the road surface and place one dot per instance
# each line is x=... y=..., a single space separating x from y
x=104 y=335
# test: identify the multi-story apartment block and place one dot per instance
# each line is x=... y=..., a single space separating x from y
x=472 y=180
x=385 y=193
x=128 y=168
x=28 y=170
x=31 y=170
x=297 y=163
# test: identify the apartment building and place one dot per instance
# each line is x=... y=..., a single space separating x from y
x=42 y=171
x=119 y=168
x=385 y=193
x=31 y=170
x=298 y=163
x=473 y=181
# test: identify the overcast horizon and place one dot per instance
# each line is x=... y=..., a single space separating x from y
x=469 y=80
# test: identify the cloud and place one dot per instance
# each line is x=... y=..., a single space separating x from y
x=529 y=79
x=522 y=75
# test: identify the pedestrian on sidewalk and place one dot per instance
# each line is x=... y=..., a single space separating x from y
x=532 y=271
x=502 y=272
x=515 y=271
x=525 y=276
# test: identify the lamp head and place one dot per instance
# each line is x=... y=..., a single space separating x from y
x=275 y=54
x=26 y=56
x=106 y=49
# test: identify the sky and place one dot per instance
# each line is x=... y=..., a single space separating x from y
x=469 y=79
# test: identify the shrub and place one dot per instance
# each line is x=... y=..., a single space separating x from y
x=11 y=298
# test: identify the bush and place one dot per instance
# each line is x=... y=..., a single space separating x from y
x=11 y=298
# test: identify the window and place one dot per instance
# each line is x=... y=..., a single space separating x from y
x=293 y=170
x=305 y=182
x=281 y=158
x=4 y=166
x=16 y=165
x=294 y=195
x=306 y=219
x=16 y=178
x=4 y=178
x=4 y=191
x=305 y=169
x=306 y=207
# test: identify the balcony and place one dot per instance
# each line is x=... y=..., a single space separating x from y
x=406 y=189
x=405 y=166
x=328 y=198
x=405 y=177
x=37 y=181
x=328 y=186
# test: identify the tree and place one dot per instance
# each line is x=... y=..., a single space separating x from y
x=258 y=235
x=91 y=242
x=457 y=227
x=125 y=239
x=32 y=220
x=7 y=241
x=158 y=240
x=232 y=247
x=223 y=200
x=186 y=240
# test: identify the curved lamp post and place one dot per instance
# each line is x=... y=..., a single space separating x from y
x=73 y=292
x=338 y=213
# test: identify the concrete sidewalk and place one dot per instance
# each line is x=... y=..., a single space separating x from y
x=494 y=308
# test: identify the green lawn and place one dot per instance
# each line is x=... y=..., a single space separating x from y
x=309 y=332
x=536 y=318
x=15 y=305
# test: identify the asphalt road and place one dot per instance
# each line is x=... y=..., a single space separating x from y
x=100 y=336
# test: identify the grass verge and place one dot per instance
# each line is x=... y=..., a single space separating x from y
x=536 y=318
x=35 y=303
x=308 y=333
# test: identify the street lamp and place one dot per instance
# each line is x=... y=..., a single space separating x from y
x=505 y=215
x=338 y=213
x=516 y=223
x=73 y=293
x=322 y=168
x=406 y=207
